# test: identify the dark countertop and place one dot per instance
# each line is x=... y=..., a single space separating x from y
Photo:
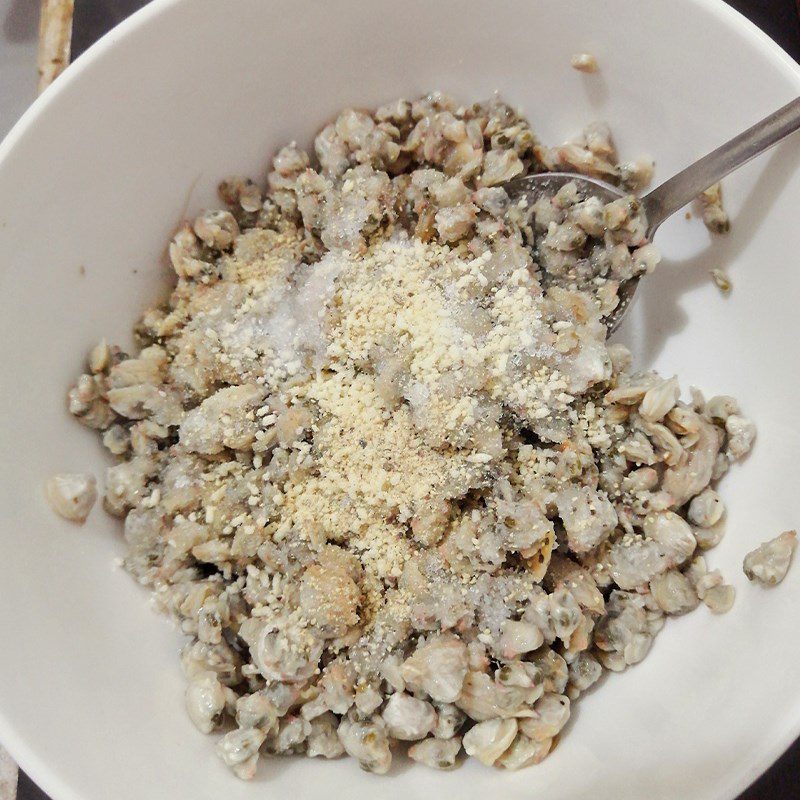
x=779 y=18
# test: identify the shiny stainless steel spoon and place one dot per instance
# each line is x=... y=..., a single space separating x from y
x=675 y=193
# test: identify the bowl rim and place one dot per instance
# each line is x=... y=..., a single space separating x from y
x=22 y=750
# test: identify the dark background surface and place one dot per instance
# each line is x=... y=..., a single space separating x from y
x=780 y=19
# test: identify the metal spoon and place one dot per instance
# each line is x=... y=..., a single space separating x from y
x=674 y=193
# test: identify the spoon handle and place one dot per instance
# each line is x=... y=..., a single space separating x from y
x=687 y=184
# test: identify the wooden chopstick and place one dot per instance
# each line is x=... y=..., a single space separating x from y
x=55 y=39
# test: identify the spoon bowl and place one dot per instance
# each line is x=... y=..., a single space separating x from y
x=673 y=194
x=533 y=187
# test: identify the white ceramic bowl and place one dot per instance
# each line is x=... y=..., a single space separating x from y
x=140 y=129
